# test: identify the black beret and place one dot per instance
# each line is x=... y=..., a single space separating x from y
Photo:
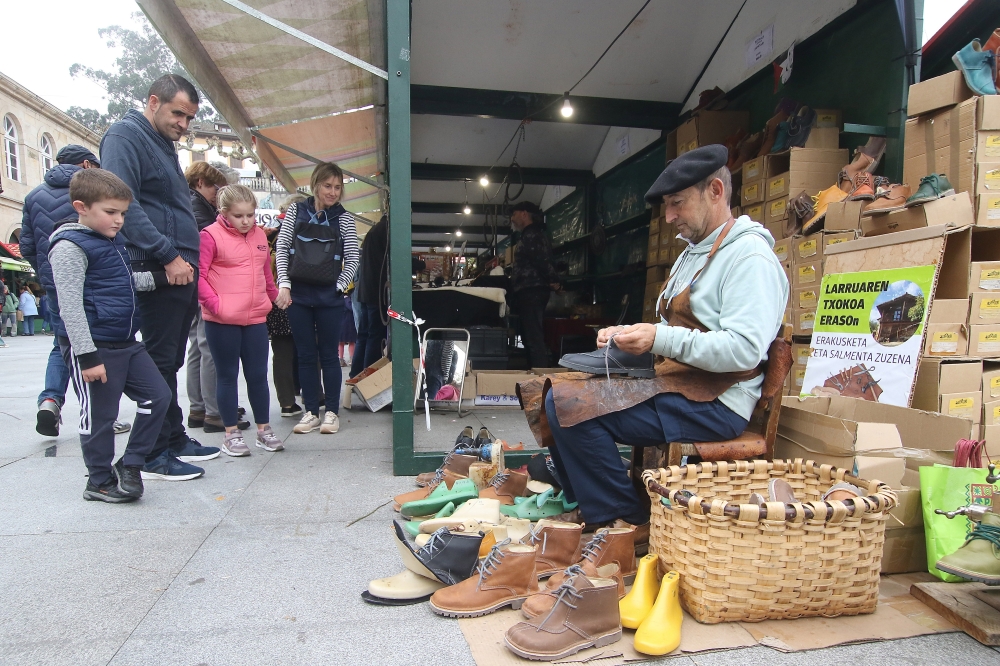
x=687 y=170
x=76 y=154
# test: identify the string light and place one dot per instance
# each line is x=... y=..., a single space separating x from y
x=458 y=232
x=567 y=108
x=484 y=181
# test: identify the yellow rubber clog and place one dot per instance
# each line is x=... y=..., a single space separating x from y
x=660 y=632
x=635 y=606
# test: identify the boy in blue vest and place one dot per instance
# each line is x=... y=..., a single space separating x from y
x=96 y=299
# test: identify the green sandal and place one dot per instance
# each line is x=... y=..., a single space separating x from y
x=413 y=526
x=537 y=507
x=462 y=491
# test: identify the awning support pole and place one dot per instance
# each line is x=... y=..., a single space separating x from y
x=312 y=41
x=397 y=18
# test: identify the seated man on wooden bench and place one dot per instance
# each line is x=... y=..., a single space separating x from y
x=721 y=312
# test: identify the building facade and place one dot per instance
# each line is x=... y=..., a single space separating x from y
x=32 y=131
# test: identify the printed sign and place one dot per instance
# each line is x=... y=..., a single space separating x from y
x=268 y=217
x=868 y=334
x=759 y=47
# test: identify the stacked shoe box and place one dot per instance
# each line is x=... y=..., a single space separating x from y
x=984 y=297
x=655 y=275
x=752 y=190
x=805 y=268
x=990 y=430
x=796 y=378
x=950 y=387
x=708 y=127
x=988 y=162
x=789 y=173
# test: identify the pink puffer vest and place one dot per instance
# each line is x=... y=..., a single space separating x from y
x=237 y=275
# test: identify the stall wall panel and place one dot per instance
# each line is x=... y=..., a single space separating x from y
x=621 y=192
x=566 y=220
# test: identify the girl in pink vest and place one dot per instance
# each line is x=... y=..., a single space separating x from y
x=236 y=290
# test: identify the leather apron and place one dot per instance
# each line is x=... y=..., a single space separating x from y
x=580 y=396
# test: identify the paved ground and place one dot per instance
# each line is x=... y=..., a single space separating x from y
x=260 y=562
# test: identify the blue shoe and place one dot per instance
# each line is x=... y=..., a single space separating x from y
x=193 y=451
x=978 y=67
x=168 y=468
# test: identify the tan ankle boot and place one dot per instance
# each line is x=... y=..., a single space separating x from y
x=607 y=545
x=505 y=486
x=454 y=463
x=585 y=614
x=506 y=578
x=558 y=545
x=541 y=603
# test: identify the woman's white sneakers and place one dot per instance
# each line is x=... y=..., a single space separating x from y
x=329 y=425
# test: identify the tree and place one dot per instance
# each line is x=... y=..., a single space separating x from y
x=145 y=57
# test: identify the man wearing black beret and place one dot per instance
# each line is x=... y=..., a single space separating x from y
x=701 y=365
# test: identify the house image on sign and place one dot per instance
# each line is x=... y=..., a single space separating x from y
x=895 y=324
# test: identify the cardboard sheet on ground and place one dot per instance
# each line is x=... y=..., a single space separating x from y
x=899 y=615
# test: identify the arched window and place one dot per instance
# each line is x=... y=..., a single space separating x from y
x=11 y=158
x=46 y=149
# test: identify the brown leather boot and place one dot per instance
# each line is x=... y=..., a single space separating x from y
x=541 y=603
x=585 y=614
x=454 y=463
x=558 y=545
x=608 y=544
x=444 y=476
x=887 y=199
x=864 y=187
x=505 y=486
x=506 y=578
x=640 y=536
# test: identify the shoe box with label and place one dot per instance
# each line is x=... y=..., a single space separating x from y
x=990 y=425
x=950 y=387
x=796 y=378
x=708 y=127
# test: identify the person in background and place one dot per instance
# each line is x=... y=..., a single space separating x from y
x=204 y=182
x=315 y=305
x=161 y=234
x=236 y=289
x=28 y=310
x=371 y=286
x=533 y=279
x=43 y=207
x=348 y=333
x=283 y=357
x=8 y=314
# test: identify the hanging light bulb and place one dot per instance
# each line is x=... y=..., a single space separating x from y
x=567 y=108
x=467 y=210
x=458 y=232
x=447 y=248
x=484 y=181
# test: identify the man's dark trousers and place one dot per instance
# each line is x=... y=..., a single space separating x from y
x=130 y=371
x=166 y=314
x=371 y=333
x=590 y=467
x=530 y=306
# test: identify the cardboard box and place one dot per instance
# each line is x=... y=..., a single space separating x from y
x=755 y=212
x=654 y=226
x=936 y=378
x=823 y=138
x=917 y=429
x=805 y=298
x=800 y=355
x=988 y=113
x=798 y=379
x=776 y=210
x=753 y=170
x=808 y=169
x=656 y=275
x=777 y=186
x=843 y=216
x=985 y=308
x=991 y=433
x=839 y=441
x=803 y=321
x=374 y=385
x=967 y=405
x=828 y=118
x=776 y=229
x=991 y=381
x=984 y=276
x=905 y=548
x=808 y=248
x=653 y=249
x=944 y=340
x=752 y=193
x=666 y=255
x=498 y=387
x=988 y=210
x=808 y=273
x=984 y=340
x=943 y=142
x=949 y=311
x=937 y=93
x=708 y=127
x=838 y=238
x=988 y=178
x=991 y=413
x=787 y=267
x=735 y=211
x=783 y=249
x=953 y=211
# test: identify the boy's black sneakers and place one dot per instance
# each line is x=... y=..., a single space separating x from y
x=129 y=479
x=107 y=493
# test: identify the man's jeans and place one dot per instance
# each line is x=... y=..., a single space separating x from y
x=371 y=333
x=56 y=377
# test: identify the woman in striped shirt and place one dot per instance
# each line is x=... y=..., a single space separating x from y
x=315 y=309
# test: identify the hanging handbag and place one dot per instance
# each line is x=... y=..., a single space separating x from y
x=317 y=251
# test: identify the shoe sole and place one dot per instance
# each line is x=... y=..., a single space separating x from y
x=291 y=414
x=881 y=211
x=862 y=197
x=267 y=448
x=233 y=454
x=602 y=641
x=195 y=424
x=326 y=431
x=917 y=202
x=641 y=374
x=515 y=604
x=97 y=497
x=149 y=476
x=191 y=459
x=47 y=423
x=304 y=432
x=971 y=575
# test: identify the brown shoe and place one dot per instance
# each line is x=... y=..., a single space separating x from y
x=640 y=537
x=609 y=544
x=506 y=578
x=505 y=486
x=558 y=546
x=864 y=187
x=771 y=132
x=585 y=614
x=454 y=463
x=887 y=200
x=800 y=209
x=541 y=603
x=448 y=478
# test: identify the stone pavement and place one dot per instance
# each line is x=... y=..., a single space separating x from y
x=262 y=561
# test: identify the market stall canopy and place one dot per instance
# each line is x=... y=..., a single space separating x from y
x=16 y=265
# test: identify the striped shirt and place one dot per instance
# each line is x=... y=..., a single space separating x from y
x=286 y=236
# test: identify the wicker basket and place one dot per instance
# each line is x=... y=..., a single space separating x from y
x=739 y=562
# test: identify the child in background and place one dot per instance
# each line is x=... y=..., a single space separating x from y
x=236 y=290
x=96 y=298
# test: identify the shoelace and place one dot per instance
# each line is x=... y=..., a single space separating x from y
x=607 y=356
x=436 y=541
x=492 y=561
x=566 y=594
x=533 y=537
x=594 y=546
x=986 y=533
x=551 y=466
x=499 y=479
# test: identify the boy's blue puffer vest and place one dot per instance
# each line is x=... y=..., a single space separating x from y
x=311 y=295
x=108 y=294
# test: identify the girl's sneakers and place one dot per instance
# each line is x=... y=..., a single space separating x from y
x=308 y=423
x=267 y=440
x=331 y=423
x=234 y=445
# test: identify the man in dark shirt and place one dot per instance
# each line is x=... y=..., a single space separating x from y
x=533 y=278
